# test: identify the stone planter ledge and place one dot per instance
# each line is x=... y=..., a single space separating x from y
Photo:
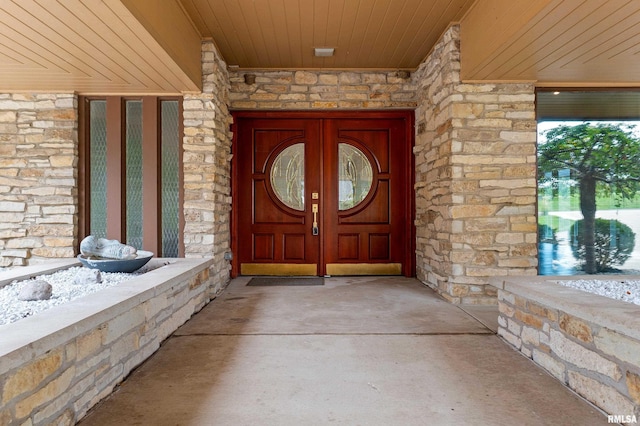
x=614 y=314
x=589 y=342
x=57 y=364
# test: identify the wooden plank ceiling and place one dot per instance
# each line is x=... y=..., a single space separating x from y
x=151 y=46
x=95 y=46
x=366 y=34
x=553 y=42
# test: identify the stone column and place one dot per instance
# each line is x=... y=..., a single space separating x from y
x=475 y=178
x=207 y=166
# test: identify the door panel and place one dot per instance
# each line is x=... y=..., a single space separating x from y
x=294 y=247
x=266 y=140
x=373 y=210
x=263 y=245
x=376 y=141
x=354 y=168
x=276 y=215
x=371 y=232
x=275 y=224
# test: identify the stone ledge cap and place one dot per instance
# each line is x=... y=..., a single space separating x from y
x=616 y=315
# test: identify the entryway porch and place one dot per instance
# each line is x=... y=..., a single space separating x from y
x=366 y=350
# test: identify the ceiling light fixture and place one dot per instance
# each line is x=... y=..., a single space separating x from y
x=556 y=93
x=323 y=51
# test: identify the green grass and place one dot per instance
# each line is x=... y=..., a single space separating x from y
x=555 y=222
x=572 y=203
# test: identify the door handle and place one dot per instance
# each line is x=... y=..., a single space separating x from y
x=315 y=230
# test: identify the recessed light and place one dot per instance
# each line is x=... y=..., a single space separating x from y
x=556 y=93
x=323 y=51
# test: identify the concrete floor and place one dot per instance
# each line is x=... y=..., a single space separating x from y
x=356 y=351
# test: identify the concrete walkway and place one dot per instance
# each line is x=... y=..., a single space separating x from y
x=355 y=351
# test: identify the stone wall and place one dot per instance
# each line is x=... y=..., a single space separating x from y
x=590 y=343
x=319 y=90
x=207 y=167
x=38 y=177
x=73 y=360
x=475 y=178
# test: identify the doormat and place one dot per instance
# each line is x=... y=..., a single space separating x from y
x=285 y=281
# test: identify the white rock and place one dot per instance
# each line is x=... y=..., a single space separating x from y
x=627 y=290
x=13 y=309
x=87 y=276
x=35 y=290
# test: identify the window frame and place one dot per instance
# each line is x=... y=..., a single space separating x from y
x=116 y=172
x=609 y=109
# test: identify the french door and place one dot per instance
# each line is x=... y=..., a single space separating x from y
x=323 y=194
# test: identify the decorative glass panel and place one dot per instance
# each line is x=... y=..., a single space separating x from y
x=170 y=152
x=98 y=168
x=287 y=176
x=134 y=189
x=355 y=176
x=134 y=172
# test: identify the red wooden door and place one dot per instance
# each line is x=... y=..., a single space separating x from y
x=368 y=236
x=320 y=195
x=274 y=216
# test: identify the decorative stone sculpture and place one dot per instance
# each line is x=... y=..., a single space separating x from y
x=86 y=276
x=35 y=290
x=106 y=249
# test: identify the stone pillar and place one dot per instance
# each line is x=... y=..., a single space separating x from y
x=207 y=166
x=475 y=178
x=38 y=177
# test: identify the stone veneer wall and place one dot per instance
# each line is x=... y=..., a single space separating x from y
x=475 y=178
x=207 y=167
x=589 y=343
x=38 y=177
x=321 y=90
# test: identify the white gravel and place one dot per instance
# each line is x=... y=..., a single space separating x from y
x=625 y=290
x=64 y=290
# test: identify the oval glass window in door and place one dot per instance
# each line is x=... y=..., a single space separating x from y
x=287 y=176
x=355 y=176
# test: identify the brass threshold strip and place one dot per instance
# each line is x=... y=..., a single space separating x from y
x=364 y=268
x=279 y=269
x=311 y=269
